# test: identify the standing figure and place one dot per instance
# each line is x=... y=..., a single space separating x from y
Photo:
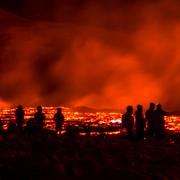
x=128 y=121
x=19 y=114
x=39 y=118
x=151 y=120
x=1 y=126
x=59 y=120
x=140 y=122
x=160 y=122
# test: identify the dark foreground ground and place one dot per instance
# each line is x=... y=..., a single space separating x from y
x=48 y=156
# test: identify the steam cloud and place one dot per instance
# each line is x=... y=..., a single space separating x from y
x=106 y=54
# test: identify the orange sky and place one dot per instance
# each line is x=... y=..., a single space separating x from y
x=94 y=54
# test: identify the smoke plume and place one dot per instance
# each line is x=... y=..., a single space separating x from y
x=76 y=53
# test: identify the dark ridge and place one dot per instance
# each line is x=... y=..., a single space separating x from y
x=89 y=109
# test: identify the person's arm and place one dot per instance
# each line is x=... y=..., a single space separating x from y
x=146 y=115
x=123 y=121
x=55 y=117
x=44 y=117
x=15 y=113
x=133 y=123
x=145 y=121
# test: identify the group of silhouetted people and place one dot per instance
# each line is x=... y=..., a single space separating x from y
x=150 y=124
x=37 y=123
x=153 y=121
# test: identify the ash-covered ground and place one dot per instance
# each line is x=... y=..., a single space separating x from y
x=49 y=156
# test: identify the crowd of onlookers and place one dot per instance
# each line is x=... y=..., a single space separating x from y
x=150 y=124
x=35 y=124
x=45 y=156
x=153 y=121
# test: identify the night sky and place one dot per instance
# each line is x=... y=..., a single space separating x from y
x=102 y=54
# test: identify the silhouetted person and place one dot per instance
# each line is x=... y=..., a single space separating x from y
x=11 y=127
x=59 y=120
x=128 y=121
x=1 y=126
x=151 y=120
x=140 y=122
x=19 y=114
x=30 y=126
x=39 y=118
x=160 y=122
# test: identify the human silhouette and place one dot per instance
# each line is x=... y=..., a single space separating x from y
x=30 y=126
x=160 y=122
x=19 y=114
x=140 y=122
x=59 y=120
x=39 y=117
x=128 y=121
x=151 y=120
x=1 y=126
x=12 y=127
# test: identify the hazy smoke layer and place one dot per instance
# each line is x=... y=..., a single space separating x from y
x=106 y=54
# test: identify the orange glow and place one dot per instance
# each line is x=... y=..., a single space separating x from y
x=79 y=119
x=97 y=59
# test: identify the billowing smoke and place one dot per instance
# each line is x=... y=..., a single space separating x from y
x=75 y=53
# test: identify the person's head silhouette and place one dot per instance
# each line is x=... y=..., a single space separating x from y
x=20 y=107
x=159 y=107
x=59 y=110
x=129 y=109
x=139 y=108
x=152 y=105
x=39 y=109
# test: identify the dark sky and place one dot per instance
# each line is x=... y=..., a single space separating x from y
x=86 y=52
